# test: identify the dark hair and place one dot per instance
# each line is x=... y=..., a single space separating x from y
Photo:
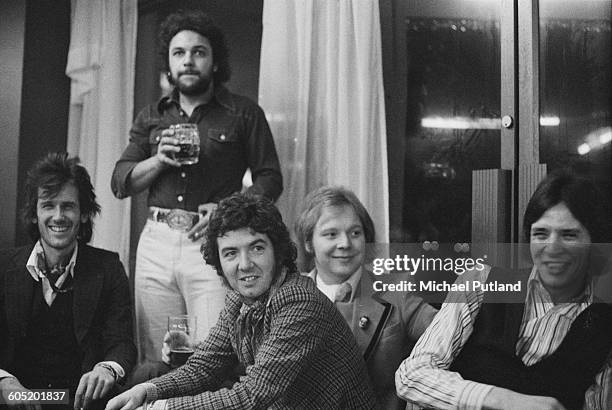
x=253 y=212
x=200 y=22
x=50 y=174
x=324 y=197
x=578 y=193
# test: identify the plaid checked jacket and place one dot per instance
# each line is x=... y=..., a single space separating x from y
x=303 y=357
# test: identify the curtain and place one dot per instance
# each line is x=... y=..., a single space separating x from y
x=321 y=87
x=100 y=65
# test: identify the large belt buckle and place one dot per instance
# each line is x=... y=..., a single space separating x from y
x=181 y=220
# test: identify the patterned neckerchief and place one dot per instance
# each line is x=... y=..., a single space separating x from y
x=54 y=272
x=249 y=324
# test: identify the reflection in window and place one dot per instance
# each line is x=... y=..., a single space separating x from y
x=452 y=122
x=576 y=88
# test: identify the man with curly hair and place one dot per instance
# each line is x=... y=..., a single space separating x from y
x=294 y=347
x=170 y=277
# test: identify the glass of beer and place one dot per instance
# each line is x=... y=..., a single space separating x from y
x=182 y=335
x=188 y=141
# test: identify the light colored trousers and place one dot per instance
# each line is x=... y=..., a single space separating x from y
x=172 y=278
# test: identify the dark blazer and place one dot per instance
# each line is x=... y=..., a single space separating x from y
x=386 y=326
x=101 y=306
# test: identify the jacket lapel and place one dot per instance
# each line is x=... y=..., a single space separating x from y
x=373 y=310
x=88 y=280
x=19 y=293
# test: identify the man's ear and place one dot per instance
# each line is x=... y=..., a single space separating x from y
x=84 y=218
x=215 y=68
x=34 y=221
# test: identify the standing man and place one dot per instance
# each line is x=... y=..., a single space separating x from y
x=65 y=316
x=171 y=277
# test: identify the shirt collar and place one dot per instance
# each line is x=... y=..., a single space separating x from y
x=221 y=95
x=32 y=263
x=535 y=286
x=330 y=290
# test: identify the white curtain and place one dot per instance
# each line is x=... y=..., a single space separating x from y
x=321 y=86
x=100 y=65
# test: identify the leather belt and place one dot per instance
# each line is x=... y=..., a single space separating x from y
x=177 y=219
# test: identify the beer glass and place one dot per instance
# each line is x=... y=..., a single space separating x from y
x=188 y=141
x=182 y=336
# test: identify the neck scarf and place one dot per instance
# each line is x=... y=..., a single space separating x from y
x=54 y=272
x=249 y=329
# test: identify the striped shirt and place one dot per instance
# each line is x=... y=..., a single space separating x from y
x=424 y=378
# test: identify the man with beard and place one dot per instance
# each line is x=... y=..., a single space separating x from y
x=170 y=276
x=65 y=314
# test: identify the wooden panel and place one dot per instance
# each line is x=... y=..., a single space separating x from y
x=491 y=205
x=529 y=80
x=509 y=84
x=491 y=210
x=529 y=178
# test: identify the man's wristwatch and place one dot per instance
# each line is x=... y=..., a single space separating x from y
x=110 y=369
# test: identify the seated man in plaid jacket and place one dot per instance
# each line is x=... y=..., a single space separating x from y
x=295 y=348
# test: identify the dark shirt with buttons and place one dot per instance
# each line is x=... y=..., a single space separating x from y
x=234 y=136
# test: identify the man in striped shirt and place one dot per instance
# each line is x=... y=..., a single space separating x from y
x=553 y=351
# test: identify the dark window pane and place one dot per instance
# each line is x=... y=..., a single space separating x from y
x=576 y=88
x=452 y=120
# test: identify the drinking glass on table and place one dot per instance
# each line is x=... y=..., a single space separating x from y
x=188 y=138
x=181 y=338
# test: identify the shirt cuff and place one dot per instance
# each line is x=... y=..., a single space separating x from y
x=121 y=178
x=157 y=405
x=472 y=395
x=4 y=374
x=116 y=367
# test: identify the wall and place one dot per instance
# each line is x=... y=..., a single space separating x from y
x=46 y=89
x=12 y=28
x=34 y=38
